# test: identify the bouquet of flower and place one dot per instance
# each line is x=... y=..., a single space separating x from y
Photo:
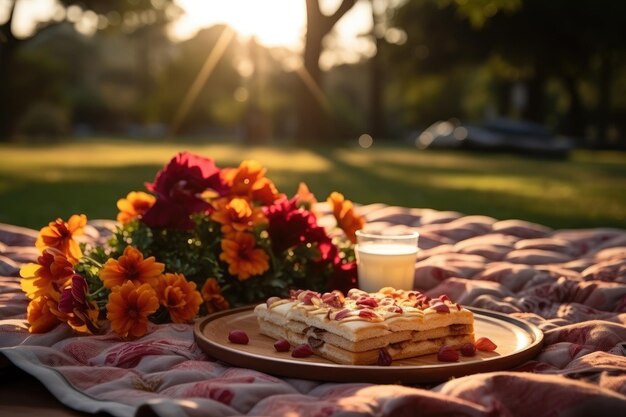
x=203 y=239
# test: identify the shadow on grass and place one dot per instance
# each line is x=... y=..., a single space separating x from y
x=93 y=191
x=420 y=185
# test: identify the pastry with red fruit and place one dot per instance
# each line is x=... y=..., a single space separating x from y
x=360 y=328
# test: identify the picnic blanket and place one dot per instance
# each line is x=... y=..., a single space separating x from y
x=570 y=283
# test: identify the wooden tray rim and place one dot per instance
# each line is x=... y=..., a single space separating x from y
x=367 y=373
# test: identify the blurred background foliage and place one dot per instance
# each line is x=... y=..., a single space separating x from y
x=559 y=63
x=98 y=94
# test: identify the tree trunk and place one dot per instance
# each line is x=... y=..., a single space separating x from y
x=8 y=48
x=376 y=117
x=534 y=109
x=312 y=116
x=503 y=98
x=604 y=98
x=575 y=118
x=312 y=120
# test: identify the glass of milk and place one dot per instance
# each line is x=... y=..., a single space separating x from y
x=386 y=260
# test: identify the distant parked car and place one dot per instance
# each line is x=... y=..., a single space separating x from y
x=499 y=134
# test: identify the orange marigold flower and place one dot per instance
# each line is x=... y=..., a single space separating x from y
x=52 y=272
x=249 y=181
x=129 y=307
x=237 y=215
x=244 y=259
x=347 y=219
x=134 y=206
x=265 y=191
x=131 y=266
x=40 y=316
x=60 y=235
x=179 y=297
x=212 y=296
x=304 y=197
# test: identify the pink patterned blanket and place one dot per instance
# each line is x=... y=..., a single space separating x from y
x=570 y=283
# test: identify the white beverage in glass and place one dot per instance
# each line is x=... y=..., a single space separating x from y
x=386 y=262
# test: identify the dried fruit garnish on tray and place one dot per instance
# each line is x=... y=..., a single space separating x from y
x=238 y=336
x=486 y=345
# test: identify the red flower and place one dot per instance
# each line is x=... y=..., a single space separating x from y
x=80 y=313
x=179 y=188
x=167 y=215
x=74 y=296
x=291 y=226
x=343 y=277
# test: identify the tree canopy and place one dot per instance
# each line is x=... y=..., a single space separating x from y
x=559 y=63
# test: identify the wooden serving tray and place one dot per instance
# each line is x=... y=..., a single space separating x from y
x=518 y=341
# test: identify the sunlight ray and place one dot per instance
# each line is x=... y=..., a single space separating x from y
x=207 y=69
x=313 y=86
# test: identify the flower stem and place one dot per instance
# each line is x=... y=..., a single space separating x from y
x=98 y=291
x=93 y=261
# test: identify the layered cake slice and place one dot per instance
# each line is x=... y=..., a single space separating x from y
x=367 y=328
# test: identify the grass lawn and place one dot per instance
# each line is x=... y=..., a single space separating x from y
x=41 y=182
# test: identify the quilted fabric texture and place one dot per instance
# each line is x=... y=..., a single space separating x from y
x=570 y=283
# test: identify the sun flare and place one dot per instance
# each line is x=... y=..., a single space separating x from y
x=272 y=22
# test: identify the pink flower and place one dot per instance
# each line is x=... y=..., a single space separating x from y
x=179 y=188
